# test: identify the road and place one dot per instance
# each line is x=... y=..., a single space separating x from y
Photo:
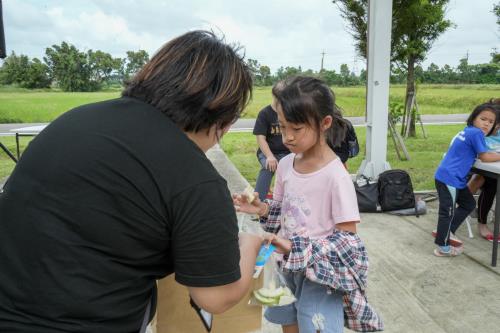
x=246 y=125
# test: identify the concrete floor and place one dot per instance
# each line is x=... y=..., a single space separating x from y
x=413 y=290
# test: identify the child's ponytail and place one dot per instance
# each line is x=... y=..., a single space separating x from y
x=337 y=132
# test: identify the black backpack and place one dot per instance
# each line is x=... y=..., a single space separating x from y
x=349 y=147
x=395 y=191
x=352 y=140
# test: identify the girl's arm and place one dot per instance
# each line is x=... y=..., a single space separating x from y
x=489 y=157
x=242 y=204
x=349 y=226
x=269 y=211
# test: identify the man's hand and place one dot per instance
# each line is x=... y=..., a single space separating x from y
x=271 y=163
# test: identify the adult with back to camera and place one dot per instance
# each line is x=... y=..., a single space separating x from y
x=127 y=196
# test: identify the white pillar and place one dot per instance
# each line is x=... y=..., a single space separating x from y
x=377 y=87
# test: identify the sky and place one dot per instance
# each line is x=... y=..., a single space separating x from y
x=274 y=32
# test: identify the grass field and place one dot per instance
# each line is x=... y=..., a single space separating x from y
x=425 y=154
x=25 y=106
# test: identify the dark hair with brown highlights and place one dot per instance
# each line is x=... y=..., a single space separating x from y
x=309 y=100
x=197 y=80
x=278 y=88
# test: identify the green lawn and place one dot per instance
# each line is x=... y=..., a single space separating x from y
x=41 y=107
x=241 y=147
x=425 y=154
x=21 y=105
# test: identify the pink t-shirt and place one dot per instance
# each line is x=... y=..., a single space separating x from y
x=312 y=203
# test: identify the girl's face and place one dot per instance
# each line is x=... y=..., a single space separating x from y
x=485 y=121
x=298 y=138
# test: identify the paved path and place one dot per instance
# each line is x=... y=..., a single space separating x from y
x=246 y=125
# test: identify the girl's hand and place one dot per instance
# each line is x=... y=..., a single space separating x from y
x=283 y=246
x=242 y=204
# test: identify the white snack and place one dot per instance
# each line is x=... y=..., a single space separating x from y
x=249 y=192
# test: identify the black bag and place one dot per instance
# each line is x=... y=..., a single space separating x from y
x=349 y=147
x=367 y=196
x=395 y=191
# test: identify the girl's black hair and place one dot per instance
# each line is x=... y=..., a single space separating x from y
x=484 y=107
x=309 y=100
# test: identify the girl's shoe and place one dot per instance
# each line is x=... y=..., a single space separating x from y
x=454 y=241
x=453 y=252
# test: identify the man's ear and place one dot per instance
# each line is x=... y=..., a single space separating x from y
x=326 y=123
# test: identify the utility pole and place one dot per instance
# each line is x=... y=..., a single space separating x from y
x=322 y=57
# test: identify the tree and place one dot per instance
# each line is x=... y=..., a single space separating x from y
x=432 y=74
x=362 y=76
x=24 y=72
x=464 y=71
x=496 y=11
x=37 y=75
x=345 y=74
x=495 y=57
x=331 y=77
x=135 y=60
x=102 y=65
x=254 y=67
x=14 y=69
x=416 y=24
x=69 y=67
x=265 y=75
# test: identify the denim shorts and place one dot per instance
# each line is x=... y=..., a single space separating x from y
x=318 y=308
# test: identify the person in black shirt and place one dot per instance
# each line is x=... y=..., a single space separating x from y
x=114 y=195
x=271 y=147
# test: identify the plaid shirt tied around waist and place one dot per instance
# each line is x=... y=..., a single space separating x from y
x=339 y=261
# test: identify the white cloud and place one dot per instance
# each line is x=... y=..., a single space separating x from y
x=276 y=32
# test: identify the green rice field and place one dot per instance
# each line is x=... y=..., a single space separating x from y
x=25 y=106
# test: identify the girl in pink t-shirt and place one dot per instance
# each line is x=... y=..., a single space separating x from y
x=313 y=216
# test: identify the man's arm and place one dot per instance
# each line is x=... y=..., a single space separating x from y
x=219 y=299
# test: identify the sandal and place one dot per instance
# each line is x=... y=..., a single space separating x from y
x=454 y=241
x=454 y=251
